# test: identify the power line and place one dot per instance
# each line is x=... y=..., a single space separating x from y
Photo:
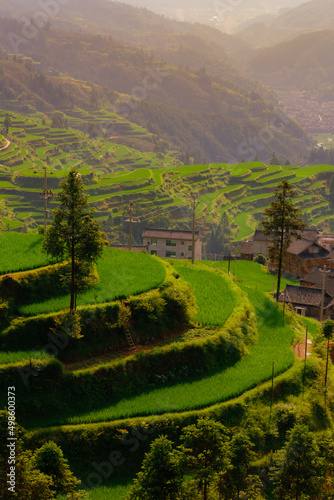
x=163 y=210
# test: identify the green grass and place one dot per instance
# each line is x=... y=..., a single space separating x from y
x=122 y=273
x=214 y=297
x=16 y=356
x=274 y=345
x=19 y=252
x=110 y=492
x=245 y=230
x=253 y=275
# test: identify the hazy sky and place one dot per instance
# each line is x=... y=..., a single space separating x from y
x=231 y=13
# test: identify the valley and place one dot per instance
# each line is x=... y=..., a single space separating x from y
x=142 y=377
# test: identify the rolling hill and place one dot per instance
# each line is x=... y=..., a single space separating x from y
x=210 y=116
x=156 y=182
x=306 y=62
x=309 y=17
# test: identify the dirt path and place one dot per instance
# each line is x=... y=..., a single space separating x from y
x=299 y=348
x=8 y=143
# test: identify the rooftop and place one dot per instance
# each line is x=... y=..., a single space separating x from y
x=304 y=295
x=247 y=248
x=172 y=234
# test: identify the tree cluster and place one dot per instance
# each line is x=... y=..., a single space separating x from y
x=321 y=156
x=42 y=474
x=208 y=464
x=211 y=463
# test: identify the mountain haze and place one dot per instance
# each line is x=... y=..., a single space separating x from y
x=212 y=116
x=310 y=16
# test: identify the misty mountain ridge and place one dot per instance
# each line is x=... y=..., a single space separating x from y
x=308 y=17
x=210 y=115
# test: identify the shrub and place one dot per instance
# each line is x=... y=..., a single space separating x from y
x=46 y=282
x=260 y=259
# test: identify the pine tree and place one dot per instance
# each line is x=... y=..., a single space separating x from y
x=161 y=474
x=74 y=234
x=281 y=221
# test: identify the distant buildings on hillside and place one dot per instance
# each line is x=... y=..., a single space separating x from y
x=168 y=243
x=172 y=243
x=305 y=260
x=313 y=249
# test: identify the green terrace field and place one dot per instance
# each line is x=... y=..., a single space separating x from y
x=115 y=174
x=203 y=340
x=20 y=252
x=121 y=273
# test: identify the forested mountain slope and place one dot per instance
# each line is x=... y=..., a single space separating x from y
x=209 y=115
x=308 y=17
x=306 y=62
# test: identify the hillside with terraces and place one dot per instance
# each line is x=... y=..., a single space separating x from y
x=115 y=174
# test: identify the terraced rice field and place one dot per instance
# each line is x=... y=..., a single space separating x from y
x=122 y=273
x=274 y=345
x=114 y=173
x=20 y=252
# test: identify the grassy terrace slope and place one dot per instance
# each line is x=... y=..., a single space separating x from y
x=121 y=274
x=115 y=174
x=185 y=372
x=20 y=252
x=274 y=344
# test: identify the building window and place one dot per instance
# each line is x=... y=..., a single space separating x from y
x=182 y=254
x=154 y=241
x=154 y=252
x=170 y=254
x=182 y=242
x=170 y=243
x=190 y=248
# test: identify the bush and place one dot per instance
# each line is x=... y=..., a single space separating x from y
x=260 y=259
x=43 y=283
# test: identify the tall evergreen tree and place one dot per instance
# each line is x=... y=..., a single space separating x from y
x=74 y=234
x=161 y=474
x=281 y=221
x=206 y=446
x=298 y=470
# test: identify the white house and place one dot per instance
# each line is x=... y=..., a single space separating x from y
x=172 y=243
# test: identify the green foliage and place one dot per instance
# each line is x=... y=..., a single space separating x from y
x=260 y=259
x=285 y=417
x=68 y=325
x=328 y=329
x=7 y=123
x=205 y=449
x=282 y=220
x=161 y=474
x=168 y=308
x=39 y=474
x=298 y=467
x=49 y=459
x=48 y=282
x=219 y=237
x=74 y=234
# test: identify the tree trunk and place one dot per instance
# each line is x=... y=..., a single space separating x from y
x=280 y=260
x=72 y=305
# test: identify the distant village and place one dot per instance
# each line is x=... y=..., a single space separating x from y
x=309 y=260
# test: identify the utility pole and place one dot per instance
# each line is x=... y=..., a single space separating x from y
x=130 y=240
x=324 y=271
x=194 y=221
x=304 y=374
x=272 y=393
x=45 y=195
